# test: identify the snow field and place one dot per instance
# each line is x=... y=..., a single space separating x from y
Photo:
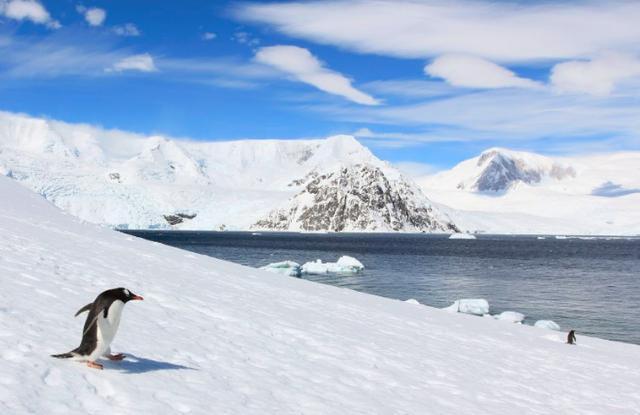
x=216 y=337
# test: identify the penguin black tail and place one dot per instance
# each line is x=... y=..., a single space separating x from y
x=63 y=355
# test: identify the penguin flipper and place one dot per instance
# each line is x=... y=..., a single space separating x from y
x=88 y=327
x=83 y=309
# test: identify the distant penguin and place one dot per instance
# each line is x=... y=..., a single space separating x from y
x=101 y=327
x=571 y=337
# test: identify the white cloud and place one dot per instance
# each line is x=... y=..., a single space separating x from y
x=473 y=72
x=245 y=38
x=505 y=31
x=142 y=63
x=127 y=29
x=27 y=10
x=507 y=115
x=94 y=16
x=598 y=76
x=305 y=67
x=208 y=36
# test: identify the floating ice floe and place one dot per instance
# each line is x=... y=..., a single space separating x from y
x=477 y=306
x=510 y=316
x=345 y=265
x=547 y=324
x=412 y=301
x=461 y=236
x=289 y=268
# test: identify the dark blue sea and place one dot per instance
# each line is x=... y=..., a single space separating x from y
x=590 y=285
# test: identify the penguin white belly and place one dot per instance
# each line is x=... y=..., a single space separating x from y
x=107 y=328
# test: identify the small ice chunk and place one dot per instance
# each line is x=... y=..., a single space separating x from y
x=412 y=301
x=547 y=324
x=349 y=263
x=289 y=268
x=345 y=265
x=315 y=267
x=477 y=306
x=510 y=316
x=461 y=236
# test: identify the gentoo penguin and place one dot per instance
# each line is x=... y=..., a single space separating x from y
x=571 y=337
x=101 y=327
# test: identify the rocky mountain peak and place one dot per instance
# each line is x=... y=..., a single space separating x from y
x=359 y=197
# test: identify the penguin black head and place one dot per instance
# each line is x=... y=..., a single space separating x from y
x=124 y=295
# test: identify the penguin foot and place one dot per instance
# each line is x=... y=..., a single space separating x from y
x=95 y=365
x=118 y=356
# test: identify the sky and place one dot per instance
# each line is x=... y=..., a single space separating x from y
x=424 y=84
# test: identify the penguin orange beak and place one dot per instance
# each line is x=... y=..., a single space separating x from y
x=137 y=297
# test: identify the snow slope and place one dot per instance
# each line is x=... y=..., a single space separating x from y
x=504 y=191
x=215 y=337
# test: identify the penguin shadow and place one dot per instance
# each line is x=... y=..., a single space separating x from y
x=136 y=364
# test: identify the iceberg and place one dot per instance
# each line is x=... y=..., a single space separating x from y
x=289 y=268
x=510 y=316
x=412 y=301
x=461 y=236
x=547 y=324
x=344 y=265
x=476 y=306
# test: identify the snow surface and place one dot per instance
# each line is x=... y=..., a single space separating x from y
x=289 y=268
x=547 y=324
x=477 y=306
x=510 y=316
x=344 y=265
x=214 y=337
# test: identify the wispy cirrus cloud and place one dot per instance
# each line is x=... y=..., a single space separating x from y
x=597 y=76
x=474 y=72
x=497 y=31
x=142 y=62
x=126 y=30
x=303 y=66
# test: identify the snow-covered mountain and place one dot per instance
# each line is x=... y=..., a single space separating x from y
x=132 y=181
x=358 y=197
x=499 y=169
x=504 y=191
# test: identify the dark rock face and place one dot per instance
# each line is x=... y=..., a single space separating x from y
x=178 y=218
x=115 y=177
x=357 y=198
x=502 y=171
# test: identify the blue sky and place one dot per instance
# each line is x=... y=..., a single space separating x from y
x=428 y=82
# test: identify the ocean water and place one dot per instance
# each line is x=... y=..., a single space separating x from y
x=590 y=285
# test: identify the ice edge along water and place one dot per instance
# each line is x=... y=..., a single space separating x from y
x=216 y=337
